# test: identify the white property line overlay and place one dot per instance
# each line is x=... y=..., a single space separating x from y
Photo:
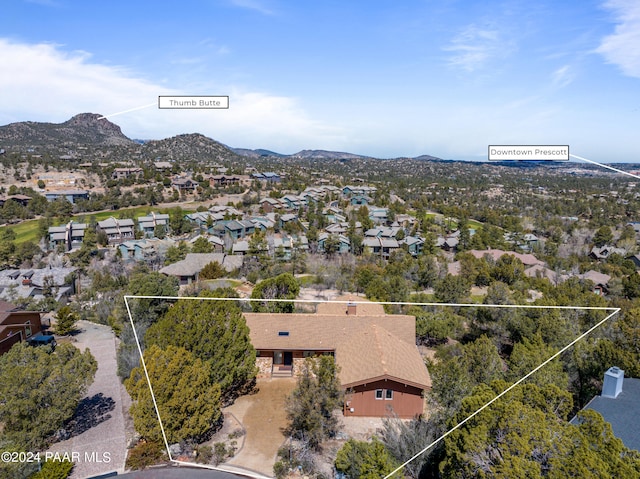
x=127 y=111
x=468 y=305
x=605 y=166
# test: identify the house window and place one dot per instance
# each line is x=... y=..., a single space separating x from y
x=388 y=394
x=308 y=354
x=378 y=393
x=277 y=357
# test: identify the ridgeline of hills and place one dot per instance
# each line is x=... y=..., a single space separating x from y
x=83 y=129
x=88 y=131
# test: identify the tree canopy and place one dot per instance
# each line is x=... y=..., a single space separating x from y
x=187 y=398
x=39 y=391
x=214 y=332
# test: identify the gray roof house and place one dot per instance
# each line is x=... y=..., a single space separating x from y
x=117 y=230
x=188 y=269
x=33 y=283
x=147 y=224
x=619 y=405
x=70 y=236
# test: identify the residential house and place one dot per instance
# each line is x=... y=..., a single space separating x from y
x=184 y=184
x=379 y=215
x=605 y=251
x=69 y=236
x=380 y=368
x=117 y=230
x=351 y=190
x=228 y=212
x=269 y=205
x=17 y=326
x=70 y=195
x=282 y=247
x=360 y=200
x=541 y=271
x=286 y=219
x=344 y=245
x=619 y=405
x=448 y=243
x=600 y=281
x=382 y=247
x=263 y=223
x=337 y=228
x=138 y=250
x=236 y=229
x=636 y=260
x=383 y=232
x=495 y=254
x=148 y=224
x=37 y=283
x=120 y=173
x=292 y=202
x=162 y=165
x=222 y=181
x=268 y=177
x=188 y=269
x=204 y=219
x=240 y=247
x=216 y=243
x=20 y=199
x=414 y=245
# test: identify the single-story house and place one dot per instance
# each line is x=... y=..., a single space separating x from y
x=188 y=269
x=36 y=283
x=380 y=368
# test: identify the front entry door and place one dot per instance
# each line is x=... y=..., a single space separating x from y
x=288 y=358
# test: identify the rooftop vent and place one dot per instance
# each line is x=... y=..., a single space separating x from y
x=283 y=333
x=613 y=379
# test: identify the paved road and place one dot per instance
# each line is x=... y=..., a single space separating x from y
x=100 y=443
x=178 y=473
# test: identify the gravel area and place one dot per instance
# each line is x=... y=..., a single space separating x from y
x=263 y=417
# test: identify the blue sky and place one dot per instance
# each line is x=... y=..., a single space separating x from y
x=381 y=78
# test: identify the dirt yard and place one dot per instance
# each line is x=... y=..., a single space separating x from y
x=263 y=417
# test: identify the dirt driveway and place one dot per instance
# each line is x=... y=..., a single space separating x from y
x=263 y=417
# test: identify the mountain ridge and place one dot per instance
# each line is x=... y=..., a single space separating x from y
x=92 y=129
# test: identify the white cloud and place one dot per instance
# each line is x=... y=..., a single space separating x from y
x=474 y=47
x=563 y=76
x=622 y=48
x=46 y=83
x=256 y=5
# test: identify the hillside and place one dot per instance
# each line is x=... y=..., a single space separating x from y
x=186 y=147
x=82 y=129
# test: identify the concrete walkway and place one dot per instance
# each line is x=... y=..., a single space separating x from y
x=100 y=445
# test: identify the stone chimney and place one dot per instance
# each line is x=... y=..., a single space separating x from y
x=351 y=309
x=613 y=379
